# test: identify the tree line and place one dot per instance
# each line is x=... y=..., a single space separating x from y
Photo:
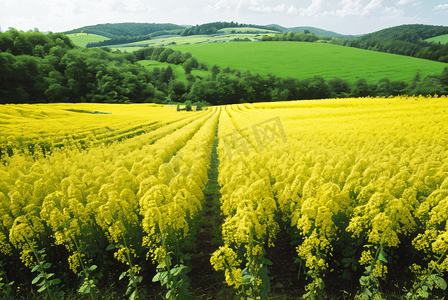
x=212 y=28
x=295 y=37
x=39 y=68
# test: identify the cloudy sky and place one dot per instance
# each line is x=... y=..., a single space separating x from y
x=341 y=16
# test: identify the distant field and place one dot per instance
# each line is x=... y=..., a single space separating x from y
x=220 y=37
x=245 y=30
x=82 y=39
x=304 y=60
x=443 y=39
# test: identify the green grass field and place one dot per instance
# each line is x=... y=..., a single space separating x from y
x=443 y=39
x=304 y=60
x=82 y=39
x=243 y=30
x=222 y=36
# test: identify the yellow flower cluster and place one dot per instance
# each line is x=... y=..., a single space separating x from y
x=377 y=164
x=85 y=199
x=335 y=172
x=170 y=207
x=225 y=259
x=52 y=125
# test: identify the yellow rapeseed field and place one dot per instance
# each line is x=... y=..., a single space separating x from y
x=360 y=185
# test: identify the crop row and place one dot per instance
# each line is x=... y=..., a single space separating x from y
x=75 y=204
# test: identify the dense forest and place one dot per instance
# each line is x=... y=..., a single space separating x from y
x=403 y=40
x=41 y=68
x=116 y=30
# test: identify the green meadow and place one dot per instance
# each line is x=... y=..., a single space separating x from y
x=443 y=39
x=82 y=39
x=242 y=30
x=223 y=35
x=303 y=60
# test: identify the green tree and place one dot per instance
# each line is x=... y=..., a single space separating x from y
x=215 y=72
x=178 y=88
x=361 y=88
x=188 y=66
x=340 y=88
x=56 y=92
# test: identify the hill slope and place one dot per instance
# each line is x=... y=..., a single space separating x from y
x=316 y=31
x=112 y=30
x=414 y=33
x=304 y=60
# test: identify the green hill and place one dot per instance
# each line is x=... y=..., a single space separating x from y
x=414 y=33
x=303 y=60
x=316 y=31
x=125 y=29
x=82 y=39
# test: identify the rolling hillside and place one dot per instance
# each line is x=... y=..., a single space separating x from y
x=408 y=33
x=124 y=29
x=316 y=31
x=304 y=60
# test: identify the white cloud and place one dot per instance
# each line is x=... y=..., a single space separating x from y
x=441 y=7
x=292 y=10
x=245 y=6
x=138 y=6
x=182 y=11
x=313 y=9
x=350 y=8
x=391 y=13
x=404 y=2
x=373 y=5
x=279 y=8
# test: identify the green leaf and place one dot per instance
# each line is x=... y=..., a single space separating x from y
x=36 y=267
x=161 y=266
x=168 y=294
x=157 y=277
x=441 y=283
x=92 y=267
x=139 y=278
x=268 y=262
x=364 y=280
x=35 y=280
x=122 y=275
x=110 y=247
x=42 y=289
x=382 y=256
x=247 y=278
x=56 y=281
x=47 y=265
